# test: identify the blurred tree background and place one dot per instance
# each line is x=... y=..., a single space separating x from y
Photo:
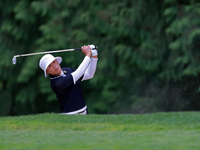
x=148 y=53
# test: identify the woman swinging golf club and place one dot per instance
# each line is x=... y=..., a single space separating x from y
x=65 y=82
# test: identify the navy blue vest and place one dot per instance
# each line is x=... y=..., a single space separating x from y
x=70 y=95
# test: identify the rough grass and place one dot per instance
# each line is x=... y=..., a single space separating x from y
x=159 y=131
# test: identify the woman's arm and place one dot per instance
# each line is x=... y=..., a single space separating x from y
x=89 y=73
x=84 y=65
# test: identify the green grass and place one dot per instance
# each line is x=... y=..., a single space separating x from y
x=159 y=131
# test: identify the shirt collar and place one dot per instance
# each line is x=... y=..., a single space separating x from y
x=61 y=75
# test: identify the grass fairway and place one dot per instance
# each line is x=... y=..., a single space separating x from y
x=159 y=131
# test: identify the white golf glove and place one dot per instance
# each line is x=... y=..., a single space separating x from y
x=94 y=51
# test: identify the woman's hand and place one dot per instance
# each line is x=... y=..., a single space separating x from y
x=86 y=50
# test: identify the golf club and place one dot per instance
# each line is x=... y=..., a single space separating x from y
x=14 y=60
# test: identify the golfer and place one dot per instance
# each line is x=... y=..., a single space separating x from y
x=65 y=82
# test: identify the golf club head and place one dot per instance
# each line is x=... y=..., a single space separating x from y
x=14 y=60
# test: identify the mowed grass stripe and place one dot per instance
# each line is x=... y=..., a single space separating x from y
x=158 y=121
x=180 y=130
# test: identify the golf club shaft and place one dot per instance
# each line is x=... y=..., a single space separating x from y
x=55 y=51
x=14 y=60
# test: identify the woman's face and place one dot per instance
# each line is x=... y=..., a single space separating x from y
x=54 y=68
